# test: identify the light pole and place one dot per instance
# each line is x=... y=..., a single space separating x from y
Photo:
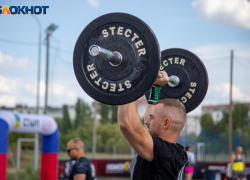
x=39 y=63
x=230 y=123
x=48 y=32
x=38 y=89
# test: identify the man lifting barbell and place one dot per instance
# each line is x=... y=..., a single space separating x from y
x=159 y=155
x=119 y=68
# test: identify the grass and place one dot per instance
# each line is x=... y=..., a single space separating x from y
x=25 y=174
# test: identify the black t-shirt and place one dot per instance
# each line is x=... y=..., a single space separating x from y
x=81 y=166
x=168 y=163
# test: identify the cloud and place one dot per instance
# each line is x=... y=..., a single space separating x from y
x=66 y=93
x=58 y=89
x=231 y=12
x=7 y=85
x=23 y=91
x=217 y=62
x=7 y=100
x=223 y=89
x=94 y=3
x=217 y=51
x=13 y=62
x=14 y=89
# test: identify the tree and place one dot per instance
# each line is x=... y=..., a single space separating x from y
x=207 y=122
x=109 y=135
x=79 y=113
x=83 y=112
x=114 y=110
x=104 y=110
x=82 y=132
x=66 y=123
x=108 y=113
x=240 y=116
x=222 y=125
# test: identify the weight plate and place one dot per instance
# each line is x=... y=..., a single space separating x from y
x=137 y=44
x=192 y=74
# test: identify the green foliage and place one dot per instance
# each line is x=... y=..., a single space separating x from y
x=216 y=135
x=109 y=135
x=222 y=125
x=83 y=127
x=114 y=110
x=108 y=131
x=240 y=120
x=59 y=123
x=104 y=110
x=28 y=174
x=83 y=132
x=207 y=122
x=108 y=113
x=240 y=116
x=66 y=123
x=83 y=112
x=13 y=136
x=244 y=135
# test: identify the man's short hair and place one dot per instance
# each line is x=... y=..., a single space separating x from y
x=177 y=110
x=172 y=102
x=78 y=143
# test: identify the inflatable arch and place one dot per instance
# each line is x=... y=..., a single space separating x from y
x=31 y=123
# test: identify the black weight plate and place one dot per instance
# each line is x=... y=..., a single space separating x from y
x=128 y=81
x=192 y=74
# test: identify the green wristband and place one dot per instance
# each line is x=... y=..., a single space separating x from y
x=154 y=94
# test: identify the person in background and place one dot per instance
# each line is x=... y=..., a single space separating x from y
x=238 y=165
x=81 y=170
x=189 y=170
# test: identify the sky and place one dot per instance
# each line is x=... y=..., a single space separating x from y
x=209 y=28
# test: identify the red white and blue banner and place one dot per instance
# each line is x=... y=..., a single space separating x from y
x=31 y=123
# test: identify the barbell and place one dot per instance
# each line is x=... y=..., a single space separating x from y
x=117 y=58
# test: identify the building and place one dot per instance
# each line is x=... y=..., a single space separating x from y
x=217 y=110
x=192 y=125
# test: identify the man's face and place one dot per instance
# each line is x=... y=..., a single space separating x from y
x=72 y=150
x=154 y=121
x=239 y=150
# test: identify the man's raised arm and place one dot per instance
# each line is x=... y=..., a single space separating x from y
x=133 y=130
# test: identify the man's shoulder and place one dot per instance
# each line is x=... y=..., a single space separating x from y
x=158 y=140
x=81 y=166
x=173 y=150
x=83 y=161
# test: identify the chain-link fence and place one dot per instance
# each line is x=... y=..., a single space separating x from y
x=209 y=146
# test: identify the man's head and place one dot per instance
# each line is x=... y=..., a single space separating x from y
x=188 y=148
x=168 y=115
x=239 y=149
x=75 y=148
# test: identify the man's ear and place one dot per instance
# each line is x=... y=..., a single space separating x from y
x=167 y=122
